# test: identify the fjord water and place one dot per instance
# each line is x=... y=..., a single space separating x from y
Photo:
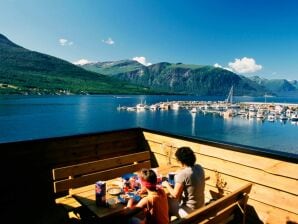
x=34 y=117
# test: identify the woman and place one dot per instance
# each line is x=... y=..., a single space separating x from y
x=188 y=192
x=155 y=203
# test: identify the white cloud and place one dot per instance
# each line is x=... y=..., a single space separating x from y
x=109 y=41
x=245 y=65
x=142 y=60
x=65 y=42
x=82 y=62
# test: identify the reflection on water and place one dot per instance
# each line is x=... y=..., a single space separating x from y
x=193 y=124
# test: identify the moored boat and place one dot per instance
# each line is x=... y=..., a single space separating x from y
x=271 y=117
x=283 y=117
x=294 y=117
x=175 y=106
x=193 y=110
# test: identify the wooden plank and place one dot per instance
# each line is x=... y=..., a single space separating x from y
x=224 y=216
x=99 y=165
x=272 y=215
x=64 y=185
x=83 y=153
x=212 y=209
x=250 y=174
x=282 y=168
x=92 y=139
x=269 y=165
x=165 y=140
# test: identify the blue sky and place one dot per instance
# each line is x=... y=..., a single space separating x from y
x=252 y=37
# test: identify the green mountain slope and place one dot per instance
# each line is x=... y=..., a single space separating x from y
x=113 y=67
x=179 y=78
x=276 y=85
x=28 y=72
x=294 y=83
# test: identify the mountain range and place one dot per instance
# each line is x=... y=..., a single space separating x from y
x=23 y=71
x=178 y=78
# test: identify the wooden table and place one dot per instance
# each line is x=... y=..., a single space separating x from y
x=86 y=196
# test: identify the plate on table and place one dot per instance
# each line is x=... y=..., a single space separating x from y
x=123 y=198
x=114 y=190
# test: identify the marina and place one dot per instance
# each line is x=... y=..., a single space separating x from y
x=262 y=111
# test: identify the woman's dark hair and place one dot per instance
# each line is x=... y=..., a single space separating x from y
x=149 y=176
x=186 y=156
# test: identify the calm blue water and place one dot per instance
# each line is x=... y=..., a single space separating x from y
x=33 y=117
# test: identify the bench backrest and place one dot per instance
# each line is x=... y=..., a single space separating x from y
x=83 y=174
x=221 y=209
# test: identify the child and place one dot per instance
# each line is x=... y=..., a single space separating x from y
x=155 y=203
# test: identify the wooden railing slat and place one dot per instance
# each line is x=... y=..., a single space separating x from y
x=64 y=185
x=99 y=165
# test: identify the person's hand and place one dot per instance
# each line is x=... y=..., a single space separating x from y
x=130 y=202
x=165 y=184
x=141 y=191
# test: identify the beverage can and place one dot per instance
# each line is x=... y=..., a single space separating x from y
x=171 y=178
x=100 y=193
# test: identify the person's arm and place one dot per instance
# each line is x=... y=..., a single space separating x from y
x=175 y=192
x=141 y=204
x=132 y=209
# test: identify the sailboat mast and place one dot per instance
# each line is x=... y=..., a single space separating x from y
x=230 y=96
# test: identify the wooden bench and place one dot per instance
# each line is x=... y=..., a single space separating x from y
x=229 y=208
x=67 y=178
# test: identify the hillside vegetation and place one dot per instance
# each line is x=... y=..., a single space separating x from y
x=28 y=72
x=179 y=78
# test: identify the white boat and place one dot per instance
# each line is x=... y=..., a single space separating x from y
x=130 y=108
x=289 y=112
x=229 y=113
x=153 y=107
x=283 y=117
x=252 y=111
x=193 y=110
x=175 y=106
x=164 y=106
x=141 y=107
x=271 y=117
x=121 y=107
x=294 y=117
x=261 y=114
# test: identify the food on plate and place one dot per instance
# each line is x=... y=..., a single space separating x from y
x=114 y=190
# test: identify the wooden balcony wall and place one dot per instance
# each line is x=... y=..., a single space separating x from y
x=26 y=167
x=26 y=170
x=273 y=198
